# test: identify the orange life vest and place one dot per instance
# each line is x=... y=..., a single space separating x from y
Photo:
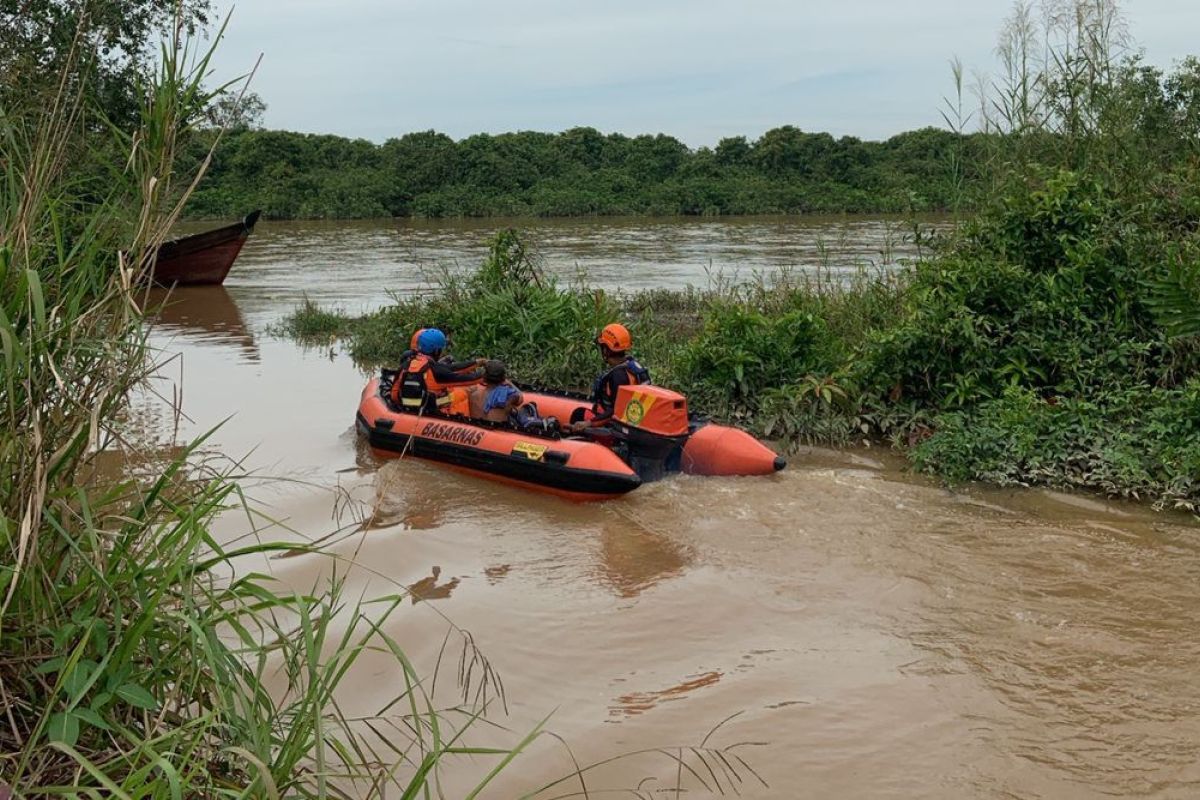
x=417 y=385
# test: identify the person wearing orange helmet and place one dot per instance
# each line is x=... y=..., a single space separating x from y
x=408 y=355
x=614 y=342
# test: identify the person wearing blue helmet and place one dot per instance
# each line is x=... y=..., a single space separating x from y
x=431 y=342
x=433 y=385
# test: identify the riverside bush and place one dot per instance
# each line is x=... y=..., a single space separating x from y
x=507 y=309
x=1140 y=442
x=1053 y=339
x=742 y=352
x=1043 y=290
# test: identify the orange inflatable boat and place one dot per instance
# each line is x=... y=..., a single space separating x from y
x=651 y=435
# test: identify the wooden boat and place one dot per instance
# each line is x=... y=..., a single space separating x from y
x=202 y=258
x=651 y=435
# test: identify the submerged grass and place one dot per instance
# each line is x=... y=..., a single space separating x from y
x=313 y=324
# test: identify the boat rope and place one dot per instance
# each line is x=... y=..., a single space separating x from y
x=412 y=435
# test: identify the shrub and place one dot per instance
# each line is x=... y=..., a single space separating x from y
x=1043 y=292
x=742 y=352
x=1139 y=442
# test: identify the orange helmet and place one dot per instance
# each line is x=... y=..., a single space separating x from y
x=412 y=345
x=615 y=337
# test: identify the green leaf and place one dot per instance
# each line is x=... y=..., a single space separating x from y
x=36 y=298
x=75 y=683
x=137 y=696
x=91 y=718
x=100 y=636
x=63 y=728
x=64 y=635
x=46 y=667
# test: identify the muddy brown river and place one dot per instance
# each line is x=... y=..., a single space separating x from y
x=862 y=632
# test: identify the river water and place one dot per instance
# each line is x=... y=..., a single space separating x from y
x=864 y=632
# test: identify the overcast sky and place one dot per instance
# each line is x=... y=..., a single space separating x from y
x=695 y=69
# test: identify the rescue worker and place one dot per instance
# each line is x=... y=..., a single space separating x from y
x=408 y=355
x=614 y=343
x=430 y=385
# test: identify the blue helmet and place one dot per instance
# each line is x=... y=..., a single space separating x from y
x=431 y=341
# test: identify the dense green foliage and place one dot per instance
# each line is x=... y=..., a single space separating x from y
x=1132 y=441
x=1033 y=348
x=1050 y=342
x=103 y=43
x=576 y=172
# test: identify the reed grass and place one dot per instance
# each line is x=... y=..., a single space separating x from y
x=139 y=657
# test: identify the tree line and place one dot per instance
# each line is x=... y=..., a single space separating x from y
x=577 y=172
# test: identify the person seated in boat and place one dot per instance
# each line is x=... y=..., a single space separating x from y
x=504 y=402
x=411 y=352
x=431 y=385
x=500 y=397
x=614 y=342
x=457 y=366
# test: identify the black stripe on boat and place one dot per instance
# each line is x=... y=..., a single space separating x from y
x=542 y=473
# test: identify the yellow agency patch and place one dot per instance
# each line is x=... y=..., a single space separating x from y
x=636 y=408
x=634 y=412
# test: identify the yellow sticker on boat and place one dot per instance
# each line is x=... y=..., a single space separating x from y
x=636 y=408
x=533 y=452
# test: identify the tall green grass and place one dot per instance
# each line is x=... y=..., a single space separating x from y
x=139 y=657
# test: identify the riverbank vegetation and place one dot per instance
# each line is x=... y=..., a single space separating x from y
x=578 y=172
x=1050 y=339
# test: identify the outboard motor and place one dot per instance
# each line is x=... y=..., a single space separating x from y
x=650 y=423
